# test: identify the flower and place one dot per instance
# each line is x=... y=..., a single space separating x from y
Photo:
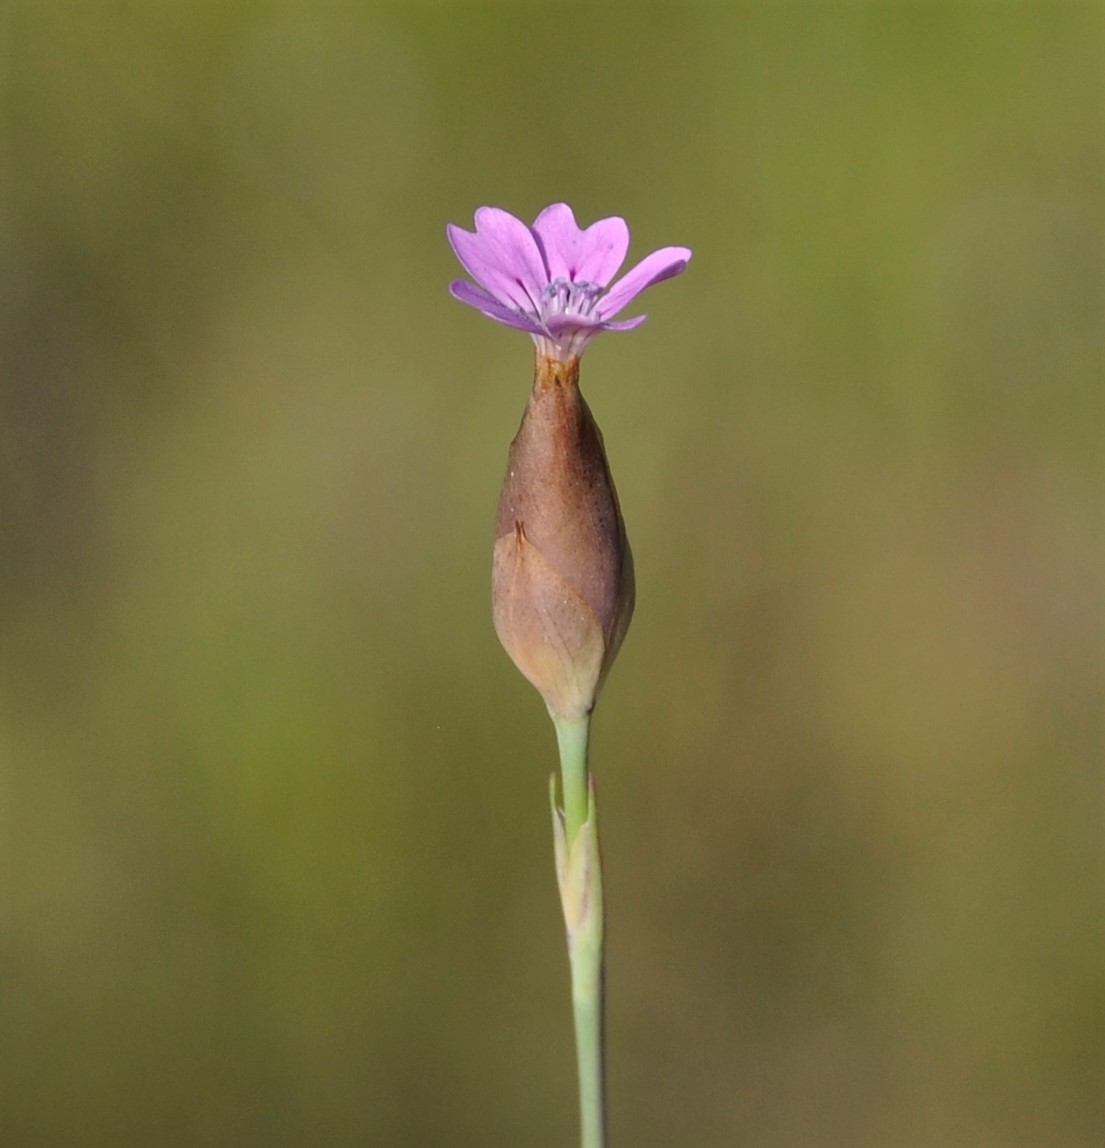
x=562 y=575
x=553 y=279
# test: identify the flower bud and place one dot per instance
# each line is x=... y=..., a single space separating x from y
x=562 y=581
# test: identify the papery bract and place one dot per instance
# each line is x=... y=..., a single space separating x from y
x=562 y=578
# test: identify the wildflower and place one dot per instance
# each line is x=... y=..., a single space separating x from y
x=562 y=577
x=562 y=586
x=553 y=279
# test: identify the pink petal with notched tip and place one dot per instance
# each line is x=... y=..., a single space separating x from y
x=592 y=255
x=503 y=257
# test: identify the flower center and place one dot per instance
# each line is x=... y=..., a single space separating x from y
x=565 y=297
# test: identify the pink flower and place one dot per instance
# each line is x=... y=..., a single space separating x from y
x=554 y=279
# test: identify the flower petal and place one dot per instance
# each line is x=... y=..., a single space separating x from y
x=572 y=333
x=591 y=256
x=475 y=297
x=503 y=257
x=654 y=268
x=570 y=324
x=491 y=307
x=625 y=324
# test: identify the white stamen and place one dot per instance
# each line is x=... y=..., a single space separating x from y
x=564 y=297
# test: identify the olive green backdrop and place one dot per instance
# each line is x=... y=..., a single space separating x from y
x=275 y=858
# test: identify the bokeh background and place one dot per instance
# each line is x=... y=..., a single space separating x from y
x=275 y=861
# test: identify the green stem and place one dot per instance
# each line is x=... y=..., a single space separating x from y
x=581 y=894
x=571 y=737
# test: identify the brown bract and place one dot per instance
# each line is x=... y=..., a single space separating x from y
x=562 y=580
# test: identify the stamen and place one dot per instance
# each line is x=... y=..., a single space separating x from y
x=565 y=297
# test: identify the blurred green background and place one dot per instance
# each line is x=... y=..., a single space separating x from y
x=275 y=864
